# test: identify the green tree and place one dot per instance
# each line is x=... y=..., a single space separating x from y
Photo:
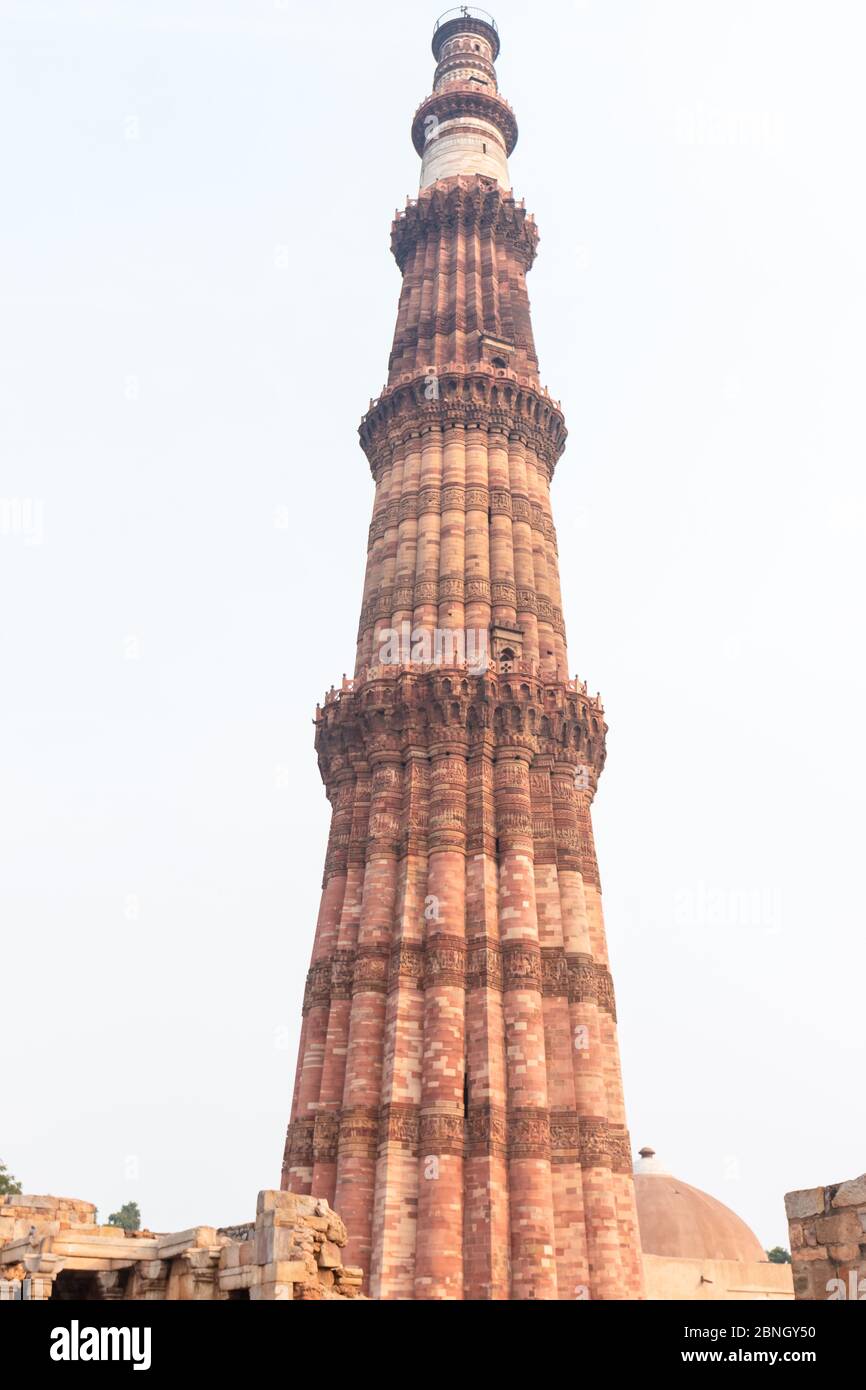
x=9 y=1186
x=129 y=1217
x=778 y=1255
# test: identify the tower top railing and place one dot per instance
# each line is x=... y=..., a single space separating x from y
x=465 y=12
x=467 y=19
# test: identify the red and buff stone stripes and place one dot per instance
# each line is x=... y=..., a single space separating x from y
x=458 y=1096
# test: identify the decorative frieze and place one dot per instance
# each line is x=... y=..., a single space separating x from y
x=407 y=965
x=564 y=1136
x=604 y=985
x=470 y=202
x=528 y=1133
x=342 y=974
x=484 y=966
x=300 y=1143
x=326 y=1137
x=371 y=970
x=444 y=962
x=502 y=591
x=487 y=1131
x=400 y=1125
x=595 y=1142
x=359 y=1131
x=477 y=590
x=521 y=966
x=429 y=500
x=318 y=987
x=619 y=1148
x=441 y=1133
x=468 y=395
x=554 y=972
x=582 y=980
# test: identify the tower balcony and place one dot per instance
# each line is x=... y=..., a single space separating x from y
x=465 y=19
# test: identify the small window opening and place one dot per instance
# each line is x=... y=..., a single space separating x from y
x=465 y=1095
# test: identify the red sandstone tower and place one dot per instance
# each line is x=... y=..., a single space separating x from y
x=458 y=1095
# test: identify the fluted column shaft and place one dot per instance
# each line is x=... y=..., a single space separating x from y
x=533 y=1264
x=426 y=616
x=452 y=547
x=439 y=1257
x=588 y=1057
x=631 y=1284
x=487 y=1221
x=502 y=585
x=524 y=565
x=359 y=1120
x=572 y=1265
x=316 y=995
x=342 y=964
x=395 y=1211
x=477 y=562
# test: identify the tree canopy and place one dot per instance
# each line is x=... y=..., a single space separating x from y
x=129 y=1217
x=9 y=1185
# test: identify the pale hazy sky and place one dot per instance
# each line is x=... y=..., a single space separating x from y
x=197 y=305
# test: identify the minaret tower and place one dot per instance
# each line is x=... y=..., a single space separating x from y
x=458 y=1096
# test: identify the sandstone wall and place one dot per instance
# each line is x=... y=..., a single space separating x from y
x=828 y=1240
x=715 y=1280
x=19 y=1213
x=51 y=1247
x=294 y=1252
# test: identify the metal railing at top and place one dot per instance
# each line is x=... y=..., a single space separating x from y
x=465 y=12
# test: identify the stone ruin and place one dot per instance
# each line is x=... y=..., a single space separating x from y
x=52 y=1248
x=828 y=1240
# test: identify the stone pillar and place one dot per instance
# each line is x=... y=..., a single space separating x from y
x=148 y=1281
x=533 y=1264
x=477 y=594
x=552 y=554
x=571 y=1252
x=503 y=590
x=373 y=574
x=546 y=635
x=524 y=569
x=631 y=1284
x=359 y=1120
x=385 y=601
x=316 y=1005
x=403 y=602
x=452 y=552
x=392 y=1274
x=599 y=1200
x=426 y=615
x=341 y=969
x=439 y=1258
x=487 y=1224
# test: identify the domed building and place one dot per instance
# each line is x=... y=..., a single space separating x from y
x=694 y=1247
